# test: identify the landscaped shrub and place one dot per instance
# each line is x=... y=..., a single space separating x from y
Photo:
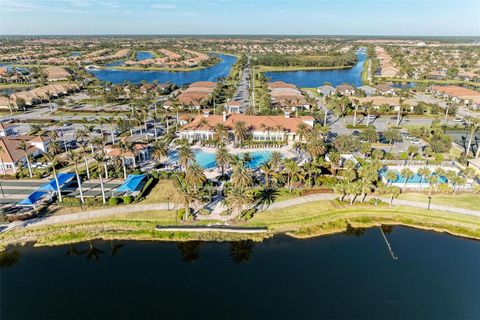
x=37 y=175
x=127 y=199
x=326 y=181
x=114 y=201
x=71 y=201
x=91 y=201
x=248 y=214
x=180 y=214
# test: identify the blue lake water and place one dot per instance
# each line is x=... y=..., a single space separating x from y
x=343 y=276
x=142 y=55
x=316 y=78
x=180 y=78
x=207 y=160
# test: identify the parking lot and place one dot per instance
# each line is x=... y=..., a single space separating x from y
x=15 y=190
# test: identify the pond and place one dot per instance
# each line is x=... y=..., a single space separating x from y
x=316 y=78
x=180 y=78
x=142 y=55
x=344 y=276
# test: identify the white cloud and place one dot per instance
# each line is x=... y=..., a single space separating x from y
x=15 y=5
x=164 y=6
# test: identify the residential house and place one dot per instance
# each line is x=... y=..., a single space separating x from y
x=286 y=96
x=345 y=90
x=369 y=91
x=385 y=89
x=235 y=107
x=326 y=90
x=11 y=157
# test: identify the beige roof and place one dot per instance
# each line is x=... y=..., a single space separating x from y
x=456 y=91
x=56 y=73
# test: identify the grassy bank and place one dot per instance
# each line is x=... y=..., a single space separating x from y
x=302 y=221
x=463 y=200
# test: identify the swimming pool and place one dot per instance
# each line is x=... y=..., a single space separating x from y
x=415 y=179
x=207 y=160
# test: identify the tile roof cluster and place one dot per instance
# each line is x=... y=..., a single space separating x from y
x=286 y=94
x=253 y=123
x=56 y=73
x=40 y=93
x=387 y=69
x=457 y=91
x=196 y=92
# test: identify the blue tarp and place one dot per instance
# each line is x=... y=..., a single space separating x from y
x=32 y=198
x=134 y=183
x=63 y=178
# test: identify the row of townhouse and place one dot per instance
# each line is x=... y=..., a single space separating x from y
x=37 y=95
x=286 y=96
x=348 y=90
x=458 y=94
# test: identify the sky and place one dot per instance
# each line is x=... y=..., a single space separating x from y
x=292 y=17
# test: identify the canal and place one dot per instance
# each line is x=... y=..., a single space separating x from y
x=343 y=276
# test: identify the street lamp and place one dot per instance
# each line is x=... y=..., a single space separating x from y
x=168 y=203
x=429 y=202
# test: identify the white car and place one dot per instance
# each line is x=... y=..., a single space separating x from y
x=416 y=141
x=458 y=120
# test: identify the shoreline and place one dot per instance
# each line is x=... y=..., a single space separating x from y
x=333 y=218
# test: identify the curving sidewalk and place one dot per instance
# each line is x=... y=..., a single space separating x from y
x=164 y=206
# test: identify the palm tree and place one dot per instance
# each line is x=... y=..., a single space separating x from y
x=311 y=170
x=195 y=176
x=424 y=173
x=432 y=180
x=89 y=129
x=293 y=171
x=185 y=155
x=391 y=176
x=240 y=131
x=302 y=130
x=222 y=158
x=268 y=172
x=24 y=147
x=315 y=146
x=185 y=196
x=52 y=158
x=354 y=189
x=237 y=198
x=406 y=174
x=341 y=188
x=2 y=149
x=275 y=160
x=474 y=125
x=100 y=158
x=83 y=151
x=241 y=177
x=74 y=158
x=159 y=150
x=221 y=132
x=55 y=147
x=265 y=198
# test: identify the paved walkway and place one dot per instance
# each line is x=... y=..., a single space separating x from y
x=164 y=206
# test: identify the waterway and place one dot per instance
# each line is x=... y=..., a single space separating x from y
x=213 y=73
x=343 y=276
x=316 y=78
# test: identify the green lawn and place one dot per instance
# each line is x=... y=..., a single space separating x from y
x=324 y=217
x=463 y=200
x=164 y=191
